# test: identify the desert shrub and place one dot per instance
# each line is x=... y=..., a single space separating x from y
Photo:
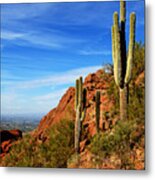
x=136 y=106
x=117 y=143
x=53 y=153
x=139 y=60
x=21 y=153
x=61 y=143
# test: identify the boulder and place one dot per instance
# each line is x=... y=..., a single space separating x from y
x=6 y=139
x=6 y=135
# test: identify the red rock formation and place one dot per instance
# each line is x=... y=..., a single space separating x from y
x=10 y=134
x=140 y=79
x=65 y=108
x=7 y=137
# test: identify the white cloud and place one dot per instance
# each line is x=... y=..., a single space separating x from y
x=57 y=79
x=95 y=52
x=56 y=39
x=45 y=103
x=11 y=103
x=31 y=38
x=15 y=101
x=22 y=11
x=11 y=35
x=50 y=96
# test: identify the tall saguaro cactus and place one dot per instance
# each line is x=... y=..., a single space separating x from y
x=121 y=59
x=80 y=108
x=97 y=98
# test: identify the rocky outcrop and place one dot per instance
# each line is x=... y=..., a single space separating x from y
x=7 y=137
x=140 y=80
x=65 y=109
x=10 y=135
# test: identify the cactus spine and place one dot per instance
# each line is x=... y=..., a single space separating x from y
x=97 y=110
x=80 y=108
x=122 y=62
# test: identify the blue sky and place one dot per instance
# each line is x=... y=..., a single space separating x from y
x=45 y=47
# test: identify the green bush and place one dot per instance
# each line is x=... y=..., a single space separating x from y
x=61 y=144
x=139 y=60
x=117 y=143
x=53 y=153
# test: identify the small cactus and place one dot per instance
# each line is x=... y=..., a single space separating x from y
x=122 y=62
x=80 y=108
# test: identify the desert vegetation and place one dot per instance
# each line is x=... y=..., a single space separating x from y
x=29 y=152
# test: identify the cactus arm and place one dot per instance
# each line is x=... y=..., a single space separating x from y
x=131 y=48
x=113 y=43
x=117 y=49
x=80 y=94
x=76 y=93
x=83 y=113
x=122 y=11
x=80 y=90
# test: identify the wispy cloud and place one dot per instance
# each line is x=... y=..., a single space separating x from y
x=56 y=79
x=36 y=17
x=48 y=101
x=50 y=96
x=11 y=35
x=16 y=102
x=60 y=13
x=56 y=39
x=95 y=52
x=22 y=11
x=60 y=78
x=12 y=103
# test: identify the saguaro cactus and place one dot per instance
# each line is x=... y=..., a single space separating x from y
x=97 y=110
x=80 y=108
x=122 y=61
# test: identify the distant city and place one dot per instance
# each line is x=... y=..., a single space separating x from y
x=25 y=123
